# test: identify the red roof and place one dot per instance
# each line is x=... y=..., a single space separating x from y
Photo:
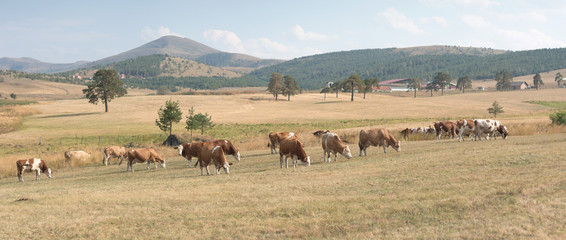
x=393 y=81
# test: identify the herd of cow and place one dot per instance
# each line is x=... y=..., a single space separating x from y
x=289 y=147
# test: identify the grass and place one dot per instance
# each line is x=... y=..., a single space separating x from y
x=432 y=189
x=558 y=105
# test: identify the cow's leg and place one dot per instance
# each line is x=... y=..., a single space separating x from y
x=281 y=160
x=335 y=156
x=287 y=161
x=201 y=169
x=295 y=160
x=147 y=164
x=207 y=172
x=105 y=160
x=189 y=159
x=20 y=175
x=37 y=174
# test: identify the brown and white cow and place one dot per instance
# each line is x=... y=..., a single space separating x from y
x=141 y=155
x=276 y=137
x=190 y=150
x=445 y=126
x=32 y=164
x=377 y=137
x=211 y=152
x=294 y=149
x=489 y=127
x=114 y=152
x=406 y=132
x=331 y=143
x=72 y=156
x=466 y=127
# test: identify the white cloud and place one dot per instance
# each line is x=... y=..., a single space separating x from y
x=149 y=34
x=227 y=38
x=479 y=3
x=435 y=20
x=475 y=21
x=300 y=33
x=400 y=21
x=531 y=39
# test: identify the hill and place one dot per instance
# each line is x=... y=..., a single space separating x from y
x=35 y=66
x=313 y=72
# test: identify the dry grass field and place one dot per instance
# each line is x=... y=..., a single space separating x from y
x=508 y=189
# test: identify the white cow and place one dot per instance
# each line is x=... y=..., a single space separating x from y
x=489 y=127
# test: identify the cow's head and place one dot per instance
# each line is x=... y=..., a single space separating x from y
x=346 y=153
x=307 y=162
x=48 y=173
x=226 y=167
x=179 y=149
x=237 y=156
x=397 y=146
x=503 y=131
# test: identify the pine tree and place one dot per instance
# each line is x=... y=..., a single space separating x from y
x=495 y=109
x=105 y=86
x=275 y=84
x=168 y=115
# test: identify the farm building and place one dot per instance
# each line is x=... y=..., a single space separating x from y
x=519 y=85
x=381 y=89
x=396 y=84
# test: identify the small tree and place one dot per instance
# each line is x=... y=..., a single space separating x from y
x=290 y=87
x=163 y=90
x=495 y=109
x=442 y=79
x=168 y=115
x=504 y=80
x=464 y=83
x=13 y=95
x=558 y=78
x=415 y=84
x=537 y=81
x=198 y=121
x=336 y=87
x=275 y=84
x=369 y=83
x=352 y=83
x=325 y=90
x=105 y=86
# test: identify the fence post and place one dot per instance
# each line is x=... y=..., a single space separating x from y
x=82 y=140
x=39 y=140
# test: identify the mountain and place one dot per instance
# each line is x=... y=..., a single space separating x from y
x=167 y=45
x=313 y=72
x=35 y=66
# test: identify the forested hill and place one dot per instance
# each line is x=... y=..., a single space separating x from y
x=313 y=72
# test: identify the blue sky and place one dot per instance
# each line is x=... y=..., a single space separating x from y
x=70 y=31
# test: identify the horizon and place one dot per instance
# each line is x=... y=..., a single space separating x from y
x=67 y=32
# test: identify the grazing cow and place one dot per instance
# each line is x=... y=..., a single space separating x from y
x=428 y=130
x=113 y=152
x=331 y=143
x=211 y=152
x=189 y=150
x=466 y=127
x=293 y=148
x=446 y=126
x=141 y=155
x=487 y=127
x=377 y=137
x=71 y=156
x=276 y=137
x=406 y=132
x=32 y=164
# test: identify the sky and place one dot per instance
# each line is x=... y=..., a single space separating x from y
x=83 y=30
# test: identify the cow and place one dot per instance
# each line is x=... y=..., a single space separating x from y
x=406 y=132
x=487 y=127
x=114 y=152
x=293 y=148
x=71 y=156
x=377 y=137
x=190 y=150
x=331 y=143
x=430 y=129
x=211 y=152
x=466 y=127
x=141 y=155
x=32 y=164
x=276 y=137
x=446 y=126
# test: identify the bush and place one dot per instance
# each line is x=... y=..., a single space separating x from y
x=13 y=96
x=558 y=118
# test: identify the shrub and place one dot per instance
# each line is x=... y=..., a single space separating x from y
x=558 y=118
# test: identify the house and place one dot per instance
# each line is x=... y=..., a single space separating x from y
x=381 y=89
x=398 y=85
x=519 y=85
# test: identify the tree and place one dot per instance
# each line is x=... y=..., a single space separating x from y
x=464 y=83
x=198 y=121
x=275 y=84
x=558 y=78
x=291 y=87
x=431 y=86
x=495 y=109
x=369 y=83
x=13 y=95
x=442 y=79
x=415 y=84
x=325 y=90
x=104 y=87
x=337 y=86
x=352 y=83
x=504 y=80
x=537 y=81
x=168 y=115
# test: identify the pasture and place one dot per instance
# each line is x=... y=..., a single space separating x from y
x=432 y=189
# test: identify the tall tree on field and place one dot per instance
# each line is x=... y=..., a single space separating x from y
x=431 y=86
x=104 y=87
x=464 y=83
x=537 y=81
x=275 y=84
x=336 y=87
x=415 y=84
x=198 y=121
x=504 y=80
x=325 y=90
x=168 y=115
x=558 y=78
x=352 y=83
x=369 y=83
x=290 y=87
x=442 y=79
x=495 y=109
